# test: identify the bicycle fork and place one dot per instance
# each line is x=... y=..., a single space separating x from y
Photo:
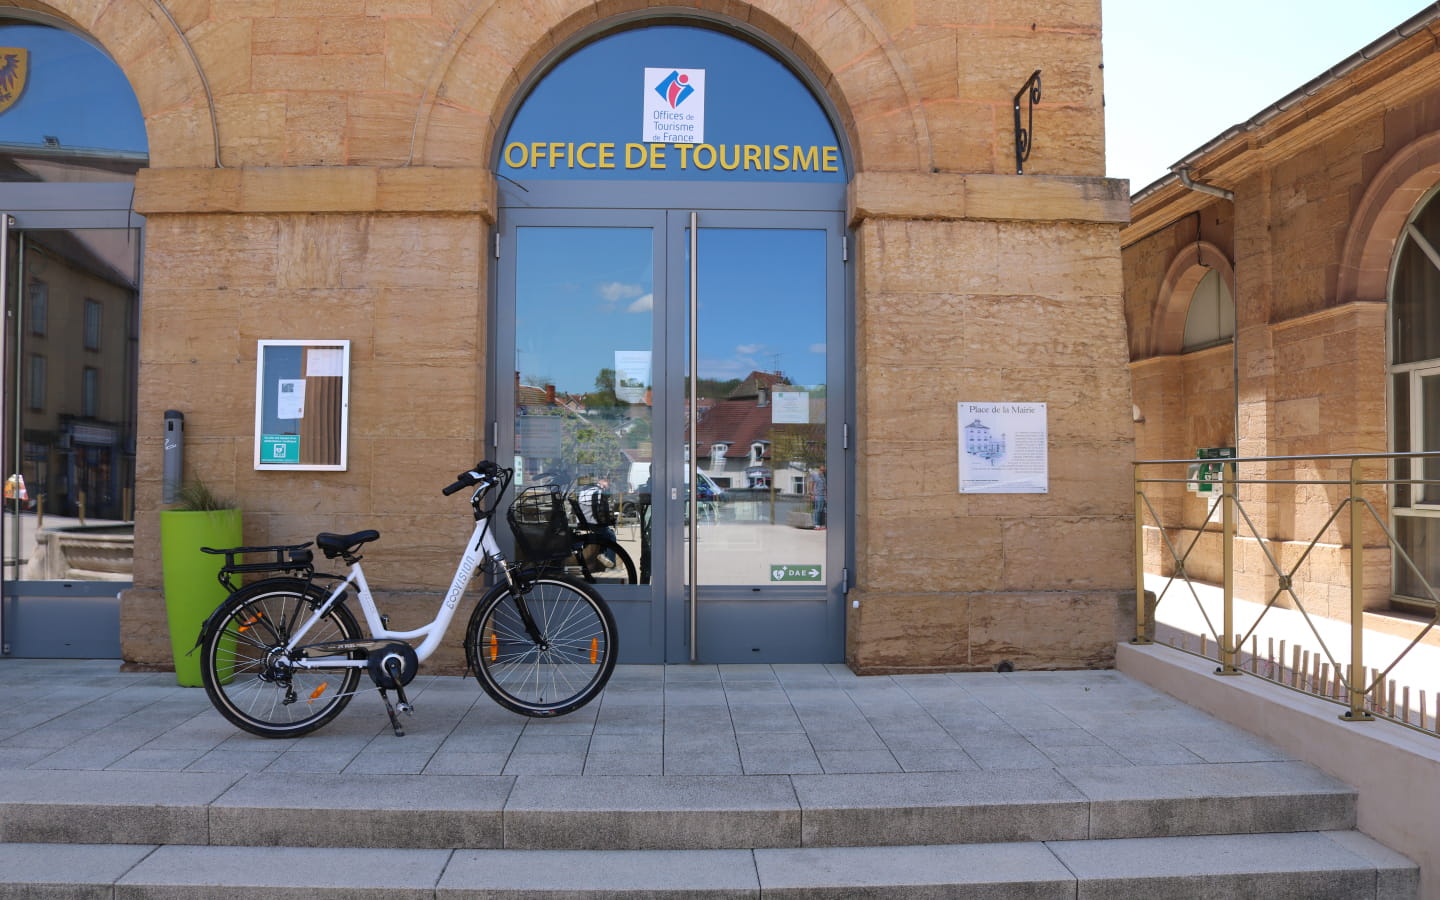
x=517 y=593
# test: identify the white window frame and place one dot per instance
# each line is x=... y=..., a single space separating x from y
x=267 y=375
x=1414 y=372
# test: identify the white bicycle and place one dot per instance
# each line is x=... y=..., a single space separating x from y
x=284 y=655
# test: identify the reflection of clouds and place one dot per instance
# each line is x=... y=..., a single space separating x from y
x=723 y=369
x=615 y=291
x=642 y=305
x=817 y=348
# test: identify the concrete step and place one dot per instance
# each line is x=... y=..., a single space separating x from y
x=1343 y=865
x=538 y=812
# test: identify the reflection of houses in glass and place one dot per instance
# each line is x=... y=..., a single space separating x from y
x=579 y=438
x=740 y=446
x=982 y=442
x=78 y=327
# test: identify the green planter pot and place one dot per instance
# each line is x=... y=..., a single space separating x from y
x=191 y=590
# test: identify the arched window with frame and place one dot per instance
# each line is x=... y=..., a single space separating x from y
x=1415 y=402
x=1210 y=319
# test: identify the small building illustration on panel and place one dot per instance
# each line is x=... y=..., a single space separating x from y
x=982 y=442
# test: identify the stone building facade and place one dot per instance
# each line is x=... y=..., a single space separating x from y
x=1312 y=217
x=328 y=169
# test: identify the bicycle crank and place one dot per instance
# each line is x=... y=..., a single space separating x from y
x=391 y=667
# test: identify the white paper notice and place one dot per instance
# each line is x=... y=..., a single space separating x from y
x=632 y=375
x=790 y=408
x=324 y=361
x=674 y=106
x=1004 y=448
x=290 y=401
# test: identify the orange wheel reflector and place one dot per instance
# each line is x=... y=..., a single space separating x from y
x=315 y=695
x=494 y=647
x=254 y=619
x=594 y=650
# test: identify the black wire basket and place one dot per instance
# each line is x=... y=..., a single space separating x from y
x=537 y=519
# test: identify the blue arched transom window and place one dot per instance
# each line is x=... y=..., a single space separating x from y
x=672 y=102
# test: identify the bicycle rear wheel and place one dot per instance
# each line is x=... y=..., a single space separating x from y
x=246 y=673
x=557 y=667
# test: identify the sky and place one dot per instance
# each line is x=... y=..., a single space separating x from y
x=74 y=94
x=1178 y=75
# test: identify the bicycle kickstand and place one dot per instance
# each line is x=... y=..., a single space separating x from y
x=393 y=668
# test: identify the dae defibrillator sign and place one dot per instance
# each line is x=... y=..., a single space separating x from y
x=1204 y=477
x=780 y=573
x=279 y=448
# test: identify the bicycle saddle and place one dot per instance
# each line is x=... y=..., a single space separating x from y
x=334 y=545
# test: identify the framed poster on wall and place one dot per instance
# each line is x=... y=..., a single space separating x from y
x=302 y=404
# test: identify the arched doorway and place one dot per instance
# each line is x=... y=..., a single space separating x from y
x=74 y=138
x=671 y=322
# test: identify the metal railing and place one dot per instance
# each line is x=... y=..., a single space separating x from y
x=1367 y=693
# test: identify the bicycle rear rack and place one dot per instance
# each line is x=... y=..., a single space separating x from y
x=281 y=558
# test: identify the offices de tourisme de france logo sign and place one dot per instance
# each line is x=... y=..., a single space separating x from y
x=674 y=106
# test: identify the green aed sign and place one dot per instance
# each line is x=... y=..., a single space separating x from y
x=279 y=448
x=807 y=572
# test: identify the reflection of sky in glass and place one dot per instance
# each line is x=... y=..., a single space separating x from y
x=597 y=94
x=75 y=93
x=762 y=303
x=279 y=363
x=584 y=293
x=581 y=294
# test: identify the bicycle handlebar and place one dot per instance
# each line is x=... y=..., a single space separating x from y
x=485 y=471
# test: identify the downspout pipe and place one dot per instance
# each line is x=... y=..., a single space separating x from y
x=1184 y=173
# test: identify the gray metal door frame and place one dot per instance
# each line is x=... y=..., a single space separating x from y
x=658 y=620
x=714 y=623
x=641 y=626
x=41 y=618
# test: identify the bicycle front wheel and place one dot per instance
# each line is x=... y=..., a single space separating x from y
x=247 y=674
x=544 y=650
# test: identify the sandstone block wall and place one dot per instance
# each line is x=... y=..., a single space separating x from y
x=328 y=177
x=979 y=310
x=1322 y=191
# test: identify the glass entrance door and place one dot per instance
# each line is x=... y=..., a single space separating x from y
x=734 y=525
x=72 y=307
x=762 y=568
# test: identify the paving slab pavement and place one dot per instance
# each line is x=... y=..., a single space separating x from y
x=652 y=721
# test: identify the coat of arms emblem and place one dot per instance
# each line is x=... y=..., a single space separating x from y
x=14 y=70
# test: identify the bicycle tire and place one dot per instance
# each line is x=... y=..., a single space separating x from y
x=623 y=562
x=564 y=671
x=237 y=669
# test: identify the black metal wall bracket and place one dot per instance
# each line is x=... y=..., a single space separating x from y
x=1024 y=137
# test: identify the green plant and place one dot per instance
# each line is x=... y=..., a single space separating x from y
x=196 y=496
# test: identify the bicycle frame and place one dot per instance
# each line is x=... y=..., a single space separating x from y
x=479 y=549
